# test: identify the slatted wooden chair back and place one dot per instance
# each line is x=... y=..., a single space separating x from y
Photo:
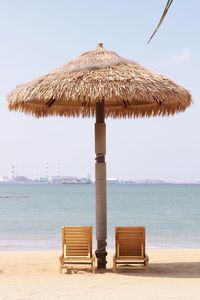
x=130 y=242
x=77 y=241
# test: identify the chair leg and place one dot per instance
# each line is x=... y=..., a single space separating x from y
x=60 y=268
x=93 y=269
x=93 y=266
x=114 y=264
x=146 y=265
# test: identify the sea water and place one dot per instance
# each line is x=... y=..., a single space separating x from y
x=31 y=216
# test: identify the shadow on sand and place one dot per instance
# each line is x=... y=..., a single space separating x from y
x=170 y=270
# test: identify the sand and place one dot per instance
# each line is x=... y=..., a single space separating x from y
x=173 y=274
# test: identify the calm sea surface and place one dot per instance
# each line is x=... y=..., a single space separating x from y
x=31 y=216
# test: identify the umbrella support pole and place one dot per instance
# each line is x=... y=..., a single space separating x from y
x=100 y=174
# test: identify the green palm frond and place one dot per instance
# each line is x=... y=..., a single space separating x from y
x=169 y=2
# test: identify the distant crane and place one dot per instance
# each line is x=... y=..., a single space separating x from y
x=13 y=172
x=47 y=170
x=58 y=170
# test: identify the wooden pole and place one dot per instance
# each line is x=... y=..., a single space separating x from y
x=100 y=172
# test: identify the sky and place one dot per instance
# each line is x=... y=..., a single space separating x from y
x=38 y=36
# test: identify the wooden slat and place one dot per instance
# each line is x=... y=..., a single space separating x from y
x=68 y=242
x=76 y=244
x=85 y=249
x=80 y=236
x=76 y=247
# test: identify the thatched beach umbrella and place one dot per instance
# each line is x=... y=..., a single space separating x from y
x=100 y=83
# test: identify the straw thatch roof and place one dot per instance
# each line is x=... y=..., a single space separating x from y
x=127 y=88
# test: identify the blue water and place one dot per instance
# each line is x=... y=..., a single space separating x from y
x=31 y=216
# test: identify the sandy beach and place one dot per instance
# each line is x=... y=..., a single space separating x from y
x=173 y=274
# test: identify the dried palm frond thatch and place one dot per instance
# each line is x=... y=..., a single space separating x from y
x=127 y=88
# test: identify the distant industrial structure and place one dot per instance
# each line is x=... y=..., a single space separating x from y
x=47 y=180
x=13 y=172
x=47 y=169
x=58 y=170
x=13 y=178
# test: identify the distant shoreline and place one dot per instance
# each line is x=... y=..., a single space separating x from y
x=92 y=183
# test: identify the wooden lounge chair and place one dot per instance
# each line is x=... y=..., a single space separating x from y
x=76 y=247
x=130 y=248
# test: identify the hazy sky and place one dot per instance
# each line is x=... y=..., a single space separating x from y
x=38 y=36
